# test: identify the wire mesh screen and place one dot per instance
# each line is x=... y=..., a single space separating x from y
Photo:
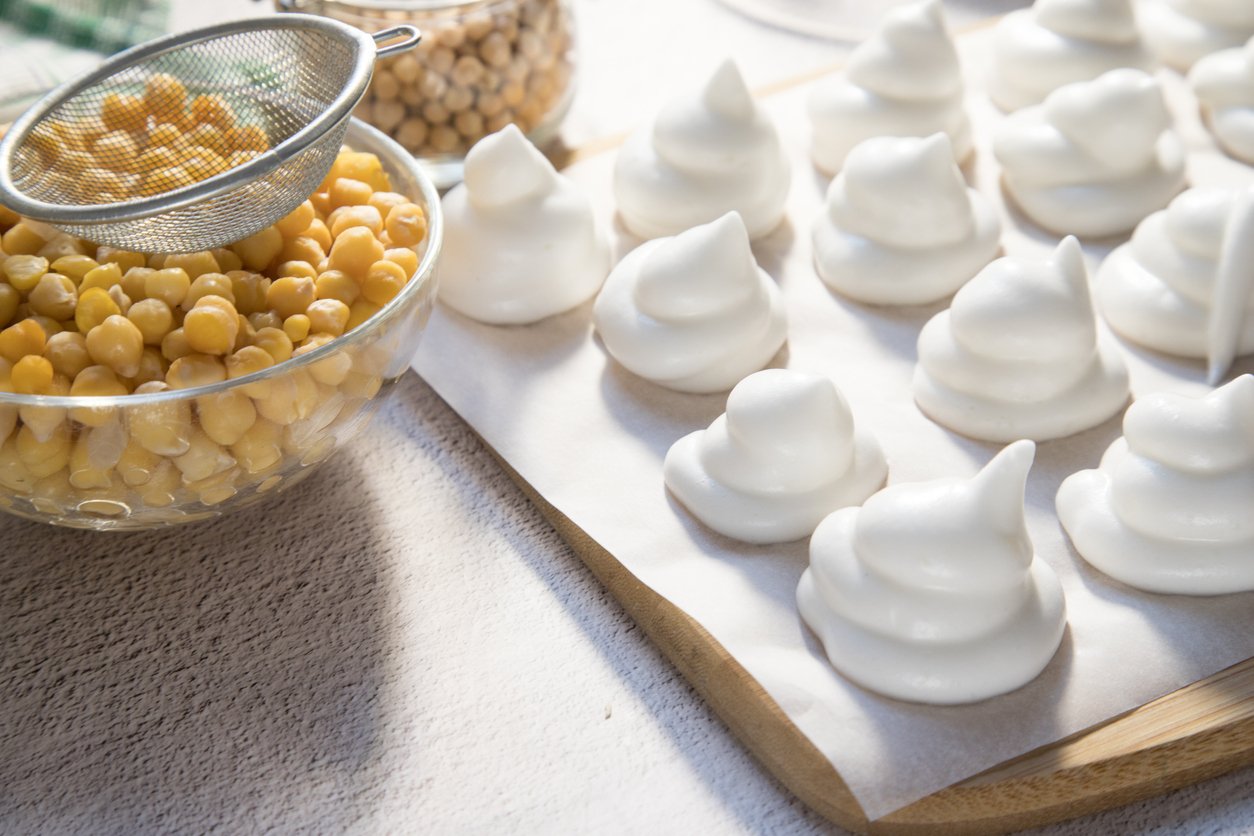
x=188 y=114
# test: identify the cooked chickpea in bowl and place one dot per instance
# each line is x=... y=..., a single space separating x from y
x=141 y=389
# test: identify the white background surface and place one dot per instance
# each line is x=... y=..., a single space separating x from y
x=401 y=644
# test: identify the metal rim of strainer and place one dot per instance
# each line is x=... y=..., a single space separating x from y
x=368 y=49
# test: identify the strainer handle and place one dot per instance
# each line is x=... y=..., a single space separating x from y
x=410 y=34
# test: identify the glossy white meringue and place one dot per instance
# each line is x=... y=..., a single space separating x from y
x=1056 y=42
x=707 y=153
x=900 y=226
x=1224 y=85
x=520 y=240
x=931 y=591
x=694 y=312
x=785 y=455
x=904 y=80
x=1095 y=158
x=1184 y=284
x=1180 y=32
x=1019 y=354
x=1170 y=507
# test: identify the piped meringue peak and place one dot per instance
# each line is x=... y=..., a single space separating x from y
x=904 y=80
x=1095 y=158
x=707 y=153
x=520 y=241
x=1224 y=85
x=1184 y=284
x=1168 y=510
x=1056 y=42
x=1019 y=354
x=1180 y=32
x=785 y=454
x=931 y=591
x=694 y=312
x=900 y=226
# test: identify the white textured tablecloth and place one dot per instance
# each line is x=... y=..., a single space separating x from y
x=401 y=643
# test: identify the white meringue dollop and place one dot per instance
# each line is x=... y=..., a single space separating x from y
x=785 y=455
x=931 y=591
x=900 y=226
x=1169 y=509
x=1224 y=85
x=1019 y=354
x=694 y=312
x=1095 y=158
x=1184 y=284
x=707 y=153
x=1055 y=42
x=1180 y=32
x=520 y=240
x=904 y=80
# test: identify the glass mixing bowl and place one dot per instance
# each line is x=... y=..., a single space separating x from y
x=141 y=461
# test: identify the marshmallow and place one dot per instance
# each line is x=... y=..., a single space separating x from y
x=520 y=240
x=1169 y=509
x=1095 y=158
x=1019 y=354
x=900 y=226
x=902 y=81
x=1184 y=284
x=707 y=153
x=1180 y=32
x=931 y=591
x=1224 y=85
x=785 y=455
x=694 y=312
x=1057 y=42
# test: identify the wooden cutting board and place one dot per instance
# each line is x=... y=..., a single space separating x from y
x=1201 y=731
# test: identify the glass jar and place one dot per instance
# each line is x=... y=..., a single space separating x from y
x=481 y=65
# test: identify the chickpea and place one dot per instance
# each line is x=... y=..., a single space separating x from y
x=94 y=307
x=302 y=248
x=67 y=352
x=116 y=343
x=213 y=110
x=24 y=271
x=134 y=282
x=257 y=251
x=21 y=240
x=161 y=428
x=259 y=448
x=359 y=312
x=152 y=366
x=327 y=316
x=265 y=319
x=203 y=458
x=194 y=264
x=211 y=326
x=334 y=284
x=44 y=421
x=347 y=217
x=153 y=318
x=383 y=282
x=54 y=296
x=44 y=456
x=17 y=341
x=169 y=284
x=319 y=232
x=208 y=284
x=174 y=345
x=349 y=192
x=275 y=342
x=297 y=270
x=195 y=370
x=96 y=381
x=297 y=221
x=405 y=257
x=123 y=113
x=354 y=251
x=136 y=464
x=9 y=301
x=31 y=375
x=164 y=97
x=249 y=291
x=296 y=327
x=289 y=295
x=226 y=416
x=119 y=298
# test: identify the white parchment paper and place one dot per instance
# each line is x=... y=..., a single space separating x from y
x=590 y=437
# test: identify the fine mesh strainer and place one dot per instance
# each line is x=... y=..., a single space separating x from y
x=194 y=140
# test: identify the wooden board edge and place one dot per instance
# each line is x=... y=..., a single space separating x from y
x=736 y=697
x=1063 y=780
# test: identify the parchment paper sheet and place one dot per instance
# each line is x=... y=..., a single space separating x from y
x=590 y=438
